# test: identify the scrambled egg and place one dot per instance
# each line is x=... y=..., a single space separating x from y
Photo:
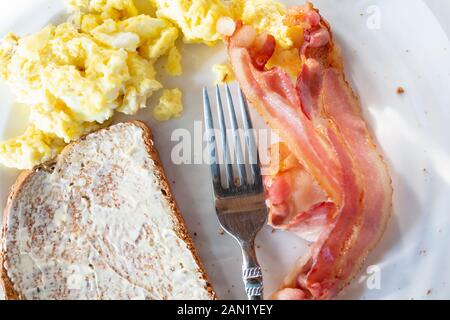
x=170 y=105
x=106 y=9
x=288 y=59
x=33 y=144
x=224 y=73
x=76 y=75
x=265 y=16
x=173 y=66
x=268 y=16
x=197 y=20
x=70 y=79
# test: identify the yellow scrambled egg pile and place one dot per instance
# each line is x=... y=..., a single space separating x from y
x=197 y=21
x=76 y=75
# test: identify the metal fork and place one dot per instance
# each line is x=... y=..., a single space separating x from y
x=240 y=204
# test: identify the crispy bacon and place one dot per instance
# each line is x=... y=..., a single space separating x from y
x=330 y=184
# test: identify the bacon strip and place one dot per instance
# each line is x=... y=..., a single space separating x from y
x=346 y=198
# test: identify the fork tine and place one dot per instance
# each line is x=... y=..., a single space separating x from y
x=211 y=141
x=223 y=130
x=250 y=140
x=237 y=141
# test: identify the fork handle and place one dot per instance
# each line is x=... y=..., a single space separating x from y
x=251 y=272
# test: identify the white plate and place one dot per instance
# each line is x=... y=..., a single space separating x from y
x=386 y=44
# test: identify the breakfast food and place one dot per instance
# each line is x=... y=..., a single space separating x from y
x=169 y=105
x=99 y=222
x=31 y=147
x=224 y=73
x=331 y=185
x=76 y=75
x=197 y=20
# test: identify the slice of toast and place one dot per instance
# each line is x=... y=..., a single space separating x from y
x=99 y=222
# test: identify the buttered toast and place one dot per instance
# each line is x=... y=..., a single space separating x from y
x=99 y=222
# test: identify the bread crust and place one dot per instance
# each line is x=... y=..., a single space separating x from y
x=179 y=224
x=8 y=287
